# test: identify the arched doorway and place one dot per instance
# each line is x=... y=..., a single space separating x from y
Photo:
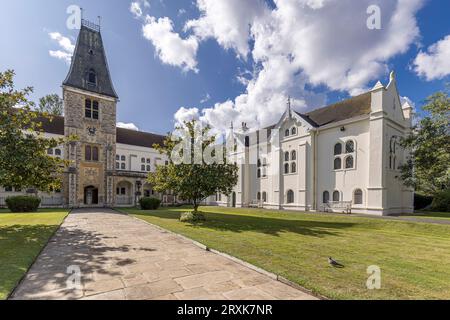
x=233 y=200
x=90 y=196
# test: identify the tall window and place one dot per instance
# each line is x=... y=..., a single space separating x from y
x=358 y=196
x=338 y=149
x=286 y=156
x=293 y=167
x=258 y=196
x=349 y=162
x=88 y=153
x=290 y=196
x=286 y=133
x=337 y=164
x=326 y=197
x=264 y=196
x=92 y=77
x=91 y=153
x=336 y=196
x=350 y=147
x=258 y=173
x=293 y=155
x=121 y=162
x=294 y=131
x=91 y=109
x=94 y=153
x=286 y=168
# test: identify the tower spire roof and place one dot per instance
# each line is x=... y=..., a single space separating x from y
x=89 y=68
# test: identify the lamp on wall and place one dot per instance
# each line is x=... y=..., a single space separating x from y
x=342 y=129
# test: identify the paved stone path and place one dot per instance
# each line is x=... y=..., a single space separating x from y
x=124 y=258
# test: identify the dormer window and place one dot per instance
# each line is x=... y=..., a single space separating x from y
x=294 y=131
x=286 y=133
x=92 y=77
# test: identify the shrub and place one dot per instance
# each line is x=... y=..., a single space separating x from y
x=441 y=202
x=149 y=203
x=23 y=204
x=421 y=201
x=192 y=217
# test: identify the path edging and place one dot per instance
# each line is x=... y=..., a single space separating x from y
x=271 y=275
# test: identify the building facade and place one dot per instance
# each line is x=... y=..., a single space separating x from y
x=108 y=165
x=342 y=157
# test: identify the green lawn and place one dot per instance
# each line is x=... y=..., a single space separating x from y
x=22 y=236
x=431 y=215
x=414 y=257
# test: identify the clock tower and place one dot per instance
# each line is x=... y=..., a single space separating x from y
x=90 y=103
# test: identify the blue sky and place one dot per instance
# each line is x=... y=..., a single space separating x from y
x=206 y=76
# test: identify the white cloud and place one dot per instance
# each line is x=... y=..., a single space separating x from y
x=300 y=44
x=435 y=63
x=66 y=47
x=135 y=8
x=186 y=114
x=227 y=21
x=205 y=99
x=130 y=126
x=62 y=55
x=170 y=47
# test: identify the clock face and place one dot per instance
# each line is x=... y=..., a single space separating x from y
x=92 y=131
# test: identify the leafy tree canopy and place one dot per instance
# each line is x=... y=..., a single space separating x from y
x=428 y=169
x=51 y=104
x=24 y=162
x=197 y=178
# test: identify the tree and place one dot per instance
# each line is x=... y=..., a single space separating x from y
x=51 y=104
x=428 y=169
x=196 y=179
x=24 y=162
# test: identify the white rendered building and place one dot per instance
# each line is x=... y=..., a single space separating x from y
x=342 y=157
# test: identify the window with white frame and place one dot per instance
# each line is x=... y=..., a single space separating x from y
x=121 y=162
x=344 y=155
x=146 y=164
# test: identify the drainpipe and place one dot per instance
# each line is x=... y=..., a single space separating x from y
x=315 y=139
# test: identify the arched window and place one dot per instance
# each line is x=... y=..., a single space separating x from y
x=258 y=196
x=290 y=196
x=258 y=173
x=293 y=155
x=259 y=163
x=58 y=152
x=358 y=197
x=264 y=196
x=336 y=196
x=349 y=162
x=92 y=77
x=95 y=154
x=337 y=164
x=326 y=197
x=293 y=167
x=88 y=153
x=123 y=158
x=286 y=156
x=286 y=168
x=338 y=149
x=350 y=147
x=294 y=131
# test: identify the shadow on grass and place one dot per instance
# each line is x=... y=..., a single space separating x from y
x=19 y=246
x=93 y=252
x=261 y=224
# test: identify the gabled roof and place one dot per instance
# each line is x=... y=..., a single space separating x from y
x=90 y=54
x=343 y=110
x=124 y=136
